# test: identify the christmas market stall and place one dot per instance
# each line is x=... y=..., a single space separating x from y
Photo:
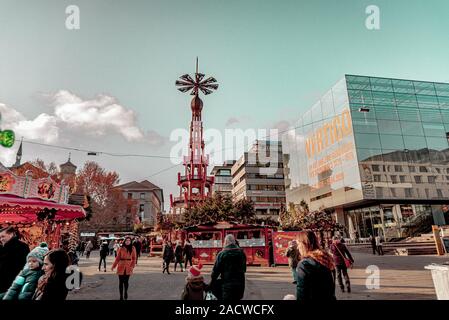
x=38 y=209
x=207 y=241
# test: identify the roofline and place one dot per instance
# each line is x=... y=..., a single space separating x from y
x=359 y=75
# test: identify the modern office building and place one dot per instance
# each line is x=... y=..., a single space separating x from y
x=258 y=175
x=223 y=178
x=375 y=152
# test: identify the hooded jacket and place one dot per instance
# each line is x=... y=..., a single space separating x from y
x=12 y=259
x=24 y=285
x=293 y=257
x=315 y=280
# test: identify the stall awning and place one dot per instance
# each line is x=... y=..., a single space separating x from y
x=15 y=209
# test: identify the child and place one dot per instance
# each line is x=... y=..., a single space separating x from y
x=25 y=283
x=195 y=286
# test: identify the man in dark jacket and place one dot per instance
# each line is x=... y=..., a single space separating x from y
x=12 y=257
x=230 y=264
x=138 y=245
x=167 y=256
x=340 y=252
x=188 y=252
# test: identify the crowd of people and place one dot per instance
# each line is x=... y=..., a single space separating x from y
x=40 y=274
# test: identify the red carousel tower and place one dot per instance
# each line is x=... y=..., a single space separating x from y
x=195 y=185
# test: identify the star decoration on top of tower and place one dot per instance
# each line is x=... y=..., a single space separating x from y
x=187 y=83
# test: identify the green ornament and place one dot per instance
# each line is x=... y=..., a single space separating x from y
x=7 y=138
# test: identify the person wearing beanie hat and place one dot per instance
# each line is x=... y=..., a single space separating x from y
x=195 y=287
x=25 y=283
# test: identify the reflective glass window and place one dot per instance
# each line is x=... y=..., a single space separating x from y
x=425 y=101
x=389 y=127
x=365 y=126
x=403 y=86
x=358 y=82
x=444 y=102
x=386 y=113
x=436 y=143
x=414 y=142
x=356 y=114
x=369 y=154
x=445 y=115
x=434 y=130
x=409 y=114
x=383 y=98
x=442 y=89
x=367 y=140
x=431 y=115
x=389 y=141
x=412 y=128
x=424 y=88
x=406 y=100
x=381 y=84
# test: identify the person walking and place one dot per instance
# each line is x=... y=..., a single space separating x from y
x=13 y=254
x=167 y=257
x=293 y=258
x=315 y=281
x=379 y=247
x=88 y=249
x=104 y=251
x=125 y=263
x=52 y=285
x=372 y=240
x=25 y=284
x=230 y=266
x=111 y=248
x=188 y=253
x=178 y=255
x=138 y=246
x=116 y=247
x=342 y=260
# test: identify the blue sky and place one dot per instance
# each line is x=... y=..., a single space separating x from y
x=272 y=59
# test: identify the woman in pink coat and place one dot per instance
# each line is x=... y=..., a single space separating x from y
x=125 y=263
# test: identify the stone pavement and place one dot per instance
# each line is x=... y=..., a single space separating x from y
x=401 y=277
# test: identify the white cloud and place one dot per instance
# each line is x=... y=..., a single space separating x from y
x=99 y=115
x=231 y=121
x=43 y=127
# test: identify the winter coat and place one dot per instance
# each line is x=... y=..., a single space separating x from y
x=89 y=247
x=24 y=285
x=51 y=289
x=314 y=278
x=168 y=253
x=340 y=251
x=293 y=257
x=230 y=264
x=194 y=289
x=178 y=253
x=104 y=250
x=125 y=261
x=12 y=259
x=138 y=246
x=188 y=251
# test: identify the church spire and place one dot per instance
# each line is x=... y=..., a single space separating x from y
x=19 y=154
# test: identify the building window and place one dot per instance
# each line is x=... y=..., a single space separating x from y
x=418 y=179
x=375 y=168
x=431 y=179
x=394 y=179
x=439 y=193
x=427 y=193
x=141 y=208
x=376 y=178
x=422 y=169
x=380 y=192
x=438 y=170
x=393 y=192
x=128 y=209
x=142 y=196
x=411 y=169
x=130 y=195
x=398 y=168
x=402 y=179
x=408 y=192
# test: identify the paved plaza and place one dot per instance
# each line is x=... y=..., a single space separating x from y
x=401 y=278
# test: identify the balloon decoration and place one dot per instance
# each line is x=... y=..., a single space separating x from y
x=7 y=137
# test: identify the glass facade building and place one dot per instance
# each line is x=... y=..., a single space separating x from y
x=376 y=151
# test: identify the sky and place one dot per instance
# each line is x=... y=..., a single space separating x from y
x=109 y=86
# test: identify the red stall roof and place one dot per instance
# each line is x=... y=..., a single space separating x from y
x=16 y=209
